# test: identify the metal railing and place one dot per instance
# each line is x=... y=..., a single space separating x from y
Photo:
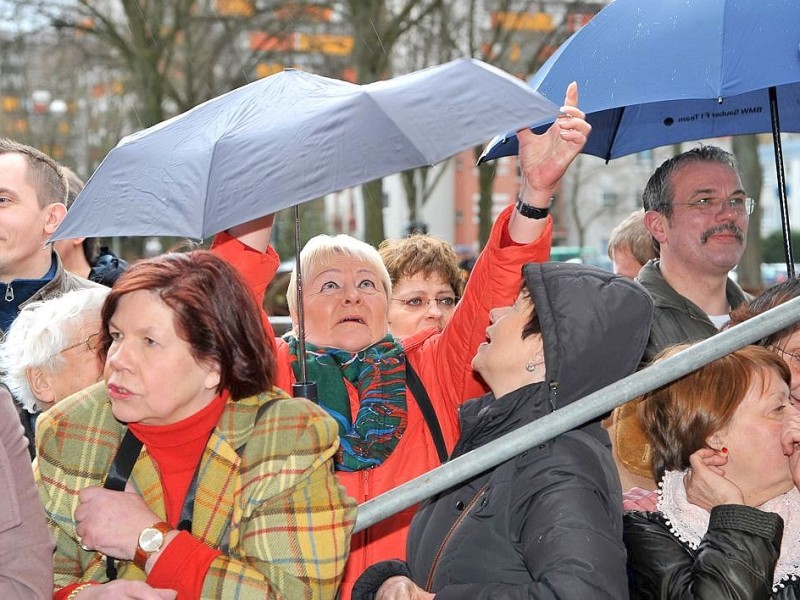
x=574 y=415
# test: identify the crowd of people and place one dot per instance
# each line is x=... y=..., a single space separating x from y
x=172 y=458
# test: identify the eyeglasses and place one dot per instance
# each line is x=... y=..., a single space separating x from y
x=713 y=206
x=445 y=303
x=91 y=343
x=790 y=355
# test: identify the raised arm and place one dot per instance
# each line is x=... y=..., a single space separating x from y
x=255 y=233
x=246 y=247
x=543 y=160
x=515 y=240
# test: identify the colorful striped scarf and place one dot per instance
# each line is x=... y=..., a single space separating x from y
x=378 y=374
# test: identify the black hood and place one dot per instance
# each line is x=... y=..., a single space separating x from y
x=595 y=327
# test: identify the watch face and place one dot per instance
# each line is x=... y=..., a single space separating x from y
x=150 y=539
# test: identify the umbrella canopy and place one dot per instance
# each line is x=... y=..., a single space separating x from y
x=658 y=73
x=626 y=130
x=290 y=138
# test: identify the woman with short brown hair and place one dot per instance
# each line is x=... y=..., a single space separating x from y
x=728 y=515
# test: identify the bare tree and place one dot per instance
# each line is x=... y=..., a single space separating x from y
x=745 y=148
x=429 y=43
x=378 y=26
x=179 y=53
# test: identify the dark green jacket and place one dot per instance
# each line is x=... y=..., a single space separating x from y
x=678 y=319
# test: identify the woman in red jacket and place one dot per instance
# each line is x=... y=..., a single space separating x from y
x=364 y=375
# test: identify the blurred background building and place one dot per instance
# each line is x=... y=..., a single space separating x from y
x=78 y=75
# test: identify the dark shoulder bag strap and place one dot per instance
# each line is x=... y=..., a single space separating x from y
x=118 y=474
x=124 y=460
x=424 y=403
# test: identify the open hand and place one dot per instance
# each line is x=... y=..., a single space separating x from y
x=544 y=158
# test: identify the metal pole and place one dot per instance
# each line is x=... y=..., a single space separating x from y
x=782 y=201
x=572 y=416
x=302 y=388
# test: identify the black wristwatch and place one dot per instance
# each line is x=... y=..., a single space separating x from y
x=531 y=212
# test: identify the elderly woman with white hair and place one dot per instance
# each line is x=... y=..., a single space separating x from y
x=49 y=351
x=396 y=402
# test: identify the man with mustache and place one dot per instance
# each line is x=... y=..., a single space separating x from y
x=697 y=213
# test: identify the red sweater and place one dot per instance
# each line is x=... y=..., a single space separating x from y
x=177 y=449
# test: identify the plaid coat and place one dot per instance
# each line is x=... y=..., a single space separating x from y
x=266 y=494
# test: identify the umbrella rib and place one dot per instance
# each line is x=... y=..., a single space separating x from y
x=424 y=161
x=206 y=202
x=617 y=122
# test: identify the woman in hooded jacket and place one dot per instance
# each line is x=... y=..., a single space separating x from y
x=547 y=523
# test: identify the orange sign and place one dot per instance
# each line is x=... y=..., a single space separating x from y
x=522 y=21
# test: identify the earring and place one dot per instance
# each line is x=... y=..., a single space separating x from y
x=530 y=366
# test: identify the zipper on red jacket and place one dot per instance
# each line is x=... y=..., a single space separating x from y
x=450 y=532
x=365 y=489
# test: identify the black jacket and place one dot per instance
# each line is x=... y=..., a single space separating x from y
x=735 y=560
x=548 y=523
x=107 y=268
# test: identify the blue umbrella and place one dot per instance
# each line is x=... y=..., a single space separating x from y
x=666 y=71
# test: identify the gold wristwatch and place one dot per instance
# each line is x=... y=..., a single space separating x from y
x=151 y=540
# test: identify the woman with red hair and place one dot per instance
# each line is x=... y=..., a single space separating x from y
x=185 y=473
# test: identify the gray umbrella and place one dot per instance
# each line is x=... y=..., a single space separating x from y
x=290 y=138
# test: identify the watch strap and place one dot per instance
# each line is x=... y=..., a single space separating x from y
x=141 y=555
x=531 y=212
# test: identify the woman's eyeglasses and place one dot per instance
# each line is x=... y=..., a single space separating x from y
x=445 y=303
x=788 y=356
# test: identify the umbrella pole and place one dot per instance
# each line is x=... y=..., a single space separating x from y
x=302 y=388
x=784 y=205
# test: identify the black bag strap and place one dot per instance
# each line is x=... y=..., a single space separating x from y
x=124 y=460
x=118 y=474
x=120 y=471
x=425 y=406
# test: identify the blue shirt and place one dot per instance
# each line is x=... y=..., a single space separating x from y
x=14 y=294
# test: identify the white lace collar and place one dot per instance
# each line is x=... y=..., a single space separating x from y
x=689 y=523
